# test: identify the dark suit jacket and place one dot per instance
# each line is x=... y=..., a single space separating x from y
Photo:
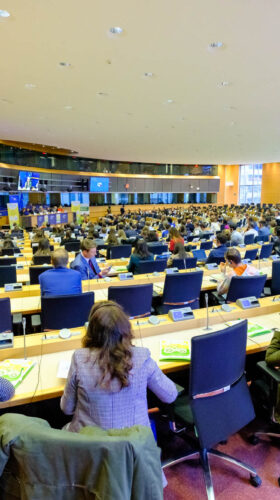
x=80 y=264
x=60 y=281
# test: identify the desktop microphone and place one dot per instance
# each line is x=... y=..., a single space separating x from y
x=207 y=328
x=24 y=337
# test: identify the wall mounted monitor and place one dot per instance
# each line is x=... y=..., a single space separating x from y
x=28 y=181
x=99 y=184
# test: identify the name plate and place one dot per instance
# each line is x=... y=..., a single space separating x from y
x=181 y=314
x=10 y=287
x=248 y=303
x=125 y=276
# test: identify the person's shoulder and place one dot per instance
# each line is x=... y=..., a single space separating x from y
x=140 y=355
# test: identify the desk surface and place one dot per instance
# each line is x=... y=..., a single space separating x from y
x=42 y=382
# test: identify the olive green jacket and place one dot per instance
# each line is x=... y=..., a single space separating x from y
x=272 y=356
x=38 y=462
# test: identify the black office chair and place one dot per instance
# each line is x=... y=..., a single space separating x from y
x=118 y=251
x=266 y=251
x=249 y=239
x=35 y=248
x=136 y=300
x=157 y=248
x=8 y=261
x=151 y=266
x=219 y=398
x=72 y=246
x=8 y=274
x=217 y=260
x=5 y=315
x=180 y=290
x=66 y=311
x=206 y=245
x=251 y=254
x=188 y=263
x=35 y=271
x=242 y=286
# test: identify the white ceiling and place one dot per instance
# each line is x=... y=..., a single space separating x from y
x=207 y=123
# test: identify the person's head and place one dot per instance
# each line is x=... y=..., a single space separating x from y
x=179 y=250
x=141 y=248
x=109 y=331
x=88 y=248
x=8 y=243
x=59 y=257
x=232 y=227
x=221 y=239
x=43 y=244
x=233 y=257
x=68 y=234
x=174 y=233
x=152 y=236
x=262 y=223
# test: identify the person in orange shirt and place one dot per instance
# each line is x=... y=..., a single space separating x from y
x=233 y=267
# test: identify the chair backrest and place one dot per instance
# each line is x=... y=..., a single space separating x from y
x=261 y=238
x=8 y=261
x=8 y=251
x=136 y=300
x=5 y=315
x=219 y=415
x=66 y=311
x=72 y=246
x=35 y=271
x=150 y=266
x=181 y=290
x=217 y=260
x=41 y=259
x=245 y=286
x=8 y=274
x=251 y=254
x=275 y=279
x=266 y=251
x=118 y=251
x=206 y=245
x=188 y=263
x=199 y=254
x=157 y=248
x=249 y=239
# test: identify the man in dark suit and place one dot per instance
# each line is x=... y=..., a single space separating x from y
x=219 y=251
x=60 y=280
x=86 y=263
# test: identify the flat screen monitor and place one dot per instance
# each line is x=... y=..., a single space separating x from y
x=28 y=181
x=99 y=184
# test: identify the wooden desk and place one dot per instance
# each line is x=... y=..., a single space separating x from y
x=42 y=382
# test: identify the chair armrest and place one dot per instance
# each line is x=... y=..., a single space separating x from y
x=270 y=371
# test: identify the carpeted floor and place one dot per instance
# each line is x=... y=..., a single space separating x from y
x=185 y=481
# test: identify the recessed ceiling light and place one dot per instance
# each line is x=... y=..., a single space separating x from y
x=30 y=86
x=68 y=107
x=116 y=30
x=148 y=75
x=215 y=45
x=169 y=101
x=4 y=13
x=101 y=94
x=223 y=84
x=64 y=64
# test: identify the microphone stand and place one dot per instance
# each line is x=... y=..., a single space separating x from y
x=207 y=328
x=24 y=337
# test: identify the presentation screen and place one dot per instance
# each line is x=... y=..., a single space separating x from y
x=99 y=184
x=28 y=181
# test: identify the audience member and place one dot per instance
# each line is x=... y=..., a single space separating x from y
x=86 y=263
x=236 y=268
x=60 y=280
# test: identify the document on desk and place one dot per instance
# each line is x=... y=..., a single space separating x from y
x=63 y=368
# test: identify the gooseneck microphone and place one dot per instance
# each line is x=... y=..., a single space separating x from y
x=207 y=328
x=24 y=337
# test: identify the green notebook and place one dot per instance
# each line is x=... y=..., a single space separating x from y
x=174 y=351
x=15 y=370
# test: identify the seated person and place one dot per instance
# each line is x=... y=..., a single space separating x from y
x=236 y=268
x=141 y=252
x=108 y=378
x=68 y=238
x=275 y=239
x=174 y=237
x=60 y=280
x=236 y=238
x=38 y=235
x=43 y=248
x=179 y=253
x=272 y=358
x=7 y=244
x=219 y=251
x=85 y=262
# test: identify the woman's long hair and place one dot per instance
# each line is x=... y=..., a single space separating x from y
x=109 y=330
x=142 y=249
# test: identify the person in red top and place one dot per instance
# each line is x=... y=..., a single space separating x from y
x=175 y=237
